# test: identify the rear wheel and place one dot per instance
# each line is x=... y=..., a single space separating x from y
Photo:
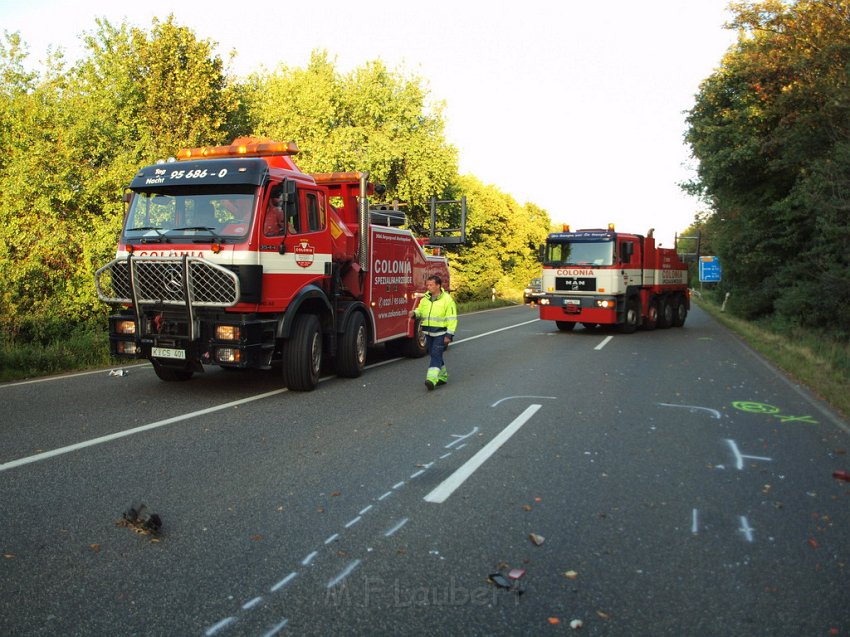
x=351 y=358
x=170 y=374
x=302 y=354
x=665 y=312
x=681 y=312
x=565 y=326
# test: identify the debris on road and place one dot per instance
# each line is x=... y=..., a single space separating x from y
x=144 y=524
x=841 y=474
x=118 y=372
x=576 y=624
x=537 y=539
x=510 y=583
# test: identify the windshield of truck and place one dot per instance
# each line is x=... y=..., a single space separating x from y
x=190 y=216
x=587 y=253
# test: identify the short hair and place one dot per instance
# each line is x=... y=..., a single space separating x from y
x=436 y=279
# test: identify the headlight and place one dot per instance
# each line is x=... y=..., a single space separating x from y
x=228 y=355
x=227 y=332
x=605 y=303
x=126 y=347
x=125 y=327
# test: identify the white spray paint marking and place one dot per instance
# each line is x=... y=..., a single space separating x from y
x=458 y=438
x=386 y=495
x=396 y=528
x=365 y=510
x=212 y=630
x=332 y=538
x=694 y=522
x=603 y=343
x=694 y=408
x=353 y=522
x=739 y=457
x=284 y=582
x=746 y=529
x=250 y=604
x=450 y=484
x=276 y=628
x=309 y=558
x=398 y=485
x=345 y=573
x=501 y=400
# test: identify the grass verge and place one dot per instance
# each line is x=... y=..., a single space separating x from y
x=82 y=349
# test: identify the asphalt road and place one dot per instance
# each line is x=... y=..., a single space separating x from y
x=660 y=483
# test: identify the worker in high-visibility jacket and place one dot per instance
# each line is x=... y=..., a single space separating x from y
x=438 y=313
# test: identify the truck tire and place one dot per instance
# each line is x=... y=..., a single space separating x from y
x=565 y=326
x=650 y=321
x=302 y=354
x=169 y=374
x=415 y=347
x=351 y=357
x=680 y=311
x=632 y=316
x=665 y=312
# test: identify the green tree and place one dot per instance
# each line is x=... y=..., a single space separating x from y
x=767 y=128
x=369 y=119
x=71 y=141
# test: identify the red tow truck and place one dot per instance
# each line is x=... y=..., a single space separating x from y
x=602 y=277
x=232 y=256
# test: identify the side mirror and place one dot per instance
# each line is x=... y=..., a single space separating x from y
x=288 y=191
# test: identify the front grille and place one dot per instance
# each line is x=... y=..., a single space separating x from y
x=167 y=281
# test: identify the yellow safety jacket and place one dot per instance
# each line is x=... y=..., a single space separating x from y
x=439 y=316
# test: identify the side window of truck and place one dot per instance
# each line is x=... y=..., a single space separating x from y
x=315 y=213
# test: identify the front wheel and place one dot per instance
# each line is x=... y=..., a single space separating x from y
x=565 y=326
x=302 y=354
x=632 y=317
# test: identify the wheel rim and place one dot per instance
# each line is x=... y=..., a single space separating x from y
x=360 y=345
x=316 y=353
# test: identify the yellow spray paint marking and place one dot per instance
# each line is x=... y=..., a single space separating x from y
x=770 y=410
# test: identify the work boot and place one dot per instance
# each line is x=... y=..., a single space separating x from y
x=443 y=376
x=432 y=377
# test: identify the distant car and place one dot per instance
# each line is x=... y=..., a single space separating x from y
x=534 y=289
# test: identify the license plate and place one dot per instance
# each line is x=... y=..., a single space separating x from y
x=572 y=301
x=167 y=352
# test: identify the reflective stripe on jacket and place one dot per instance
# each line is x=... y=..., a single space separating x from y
x=438 y=316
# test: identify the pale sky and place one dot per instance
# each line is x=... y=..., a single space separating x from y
x=574 y=106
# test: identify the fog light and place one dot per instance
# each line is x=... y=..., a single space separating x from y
x=605 y=303
x=228 y=355
x=125 y=327
x=227 y=332
x=543 y=301
x=126 y=347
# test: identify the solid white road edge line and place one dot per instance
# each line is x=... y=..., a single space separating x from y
x=135 y=430
x=442 y=492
